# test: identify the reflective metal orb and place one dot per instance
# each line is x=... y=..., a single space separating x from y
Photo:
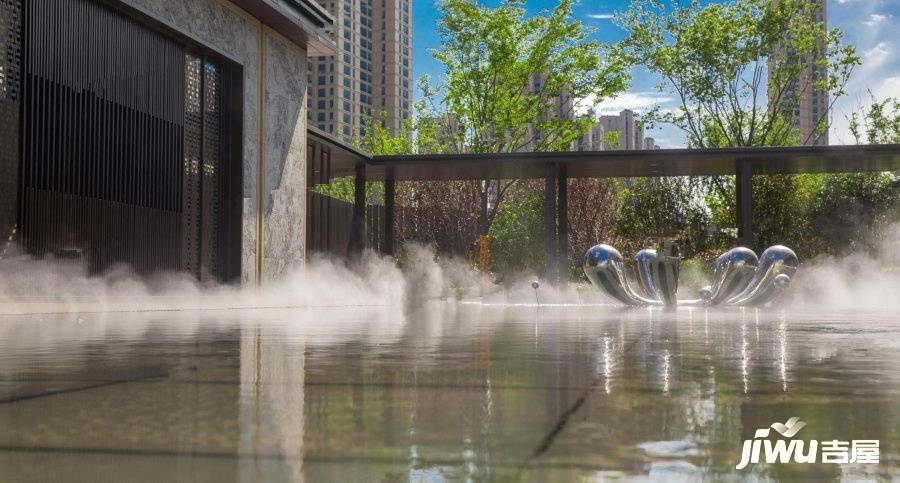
x=740 y=278
x=731 y=272
x=782 y=281
x=605 y=268
x=761 y=289
x=645 y=267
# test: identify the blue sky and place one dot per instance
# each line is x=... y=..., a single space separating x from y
x=866 y=23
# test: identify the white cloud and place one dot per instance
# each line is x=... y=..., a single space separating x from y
x=636 y=101
x=875 y=19
x=601 y=16
x=876 y=56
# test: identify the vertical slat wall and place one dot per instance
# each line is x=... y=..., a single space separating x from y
x=10 y=94
x=103 y=135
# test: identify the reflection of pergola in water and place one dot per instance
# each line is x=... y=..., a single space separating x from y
x=557 y=168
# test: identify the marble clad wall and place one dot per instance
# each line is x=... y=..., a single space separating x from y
x=232 y=32
x=284 y=235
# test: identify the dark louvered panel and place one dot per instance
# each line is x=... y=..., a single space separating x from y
x=10 y=86
x=193 y=150
x=103 y=131
x=211 y=210
x=122 y=160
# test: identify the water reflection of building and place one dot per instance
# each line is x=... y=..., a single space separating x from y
x=272 y=405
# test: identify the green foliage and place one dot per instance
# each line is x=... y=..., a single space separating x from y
x=653 y=209
x=731 y=65
x=879 y=124
x=517 y=242
x=494 y=58
x=611 y=139
x=849 y=211
x=343 y=189
x=717 y=60
x=778 y=211
x=423 y=133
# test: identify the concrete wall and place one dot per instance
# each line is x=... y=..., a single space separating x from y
x=235 y=34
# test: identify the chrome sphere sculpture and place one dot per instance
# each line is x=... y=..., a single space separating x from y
x=740 y=278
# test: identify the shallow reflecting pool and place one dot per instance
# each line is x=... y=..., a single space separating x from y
x=445 y=392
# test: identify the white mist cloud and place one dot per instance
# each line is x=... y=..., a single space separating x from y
x=601 y=16
x=55 y=286
x=858 y=281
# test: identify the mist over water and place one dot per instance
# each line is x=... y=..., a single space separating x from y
x=858 y=281
x=57 y=285
x=27 y=285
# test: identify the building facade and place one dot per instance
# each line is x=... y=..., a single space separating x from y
x=166 y=135
x=370 y=76
x=809 y=105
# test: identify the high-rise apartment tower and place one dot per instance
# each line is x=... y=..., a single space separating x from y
x=810 y=106
x=371 y=75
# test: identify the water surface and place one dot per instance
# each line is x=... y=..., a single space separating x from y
x=445 y=392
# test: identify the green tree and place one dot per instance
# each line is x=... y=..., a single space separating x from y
x=877 y=124
x=611 y=139
x=732 y=67
x=506 y=74
x=517 y=234
x=849 y=211
x=720 y=61
x=653 y=209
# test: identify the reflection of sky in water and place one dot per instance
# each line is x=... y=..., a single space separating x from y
x=442 y=393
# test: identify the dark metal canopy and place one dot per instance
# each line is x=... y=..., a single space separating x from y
x=557 y=168
x=616 y=164
x=342 y=159
x=302 y=21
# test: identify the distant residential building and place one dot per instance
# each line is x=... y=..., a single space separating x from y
x=639 y=136
x=623 y=123
x=561 y=106
x=630 y=134
x=650 y=143
x=810 y=105
x=593 y=139
x=371 y=75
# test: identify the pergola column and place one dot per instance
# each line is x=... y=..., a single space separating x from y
x=358 y=224
x=389 y=199
x=744 y=201
x=562 y=221
x=551 y=259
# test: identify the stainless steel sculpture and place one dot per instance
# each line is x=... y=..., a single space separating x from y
x=740 y=278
